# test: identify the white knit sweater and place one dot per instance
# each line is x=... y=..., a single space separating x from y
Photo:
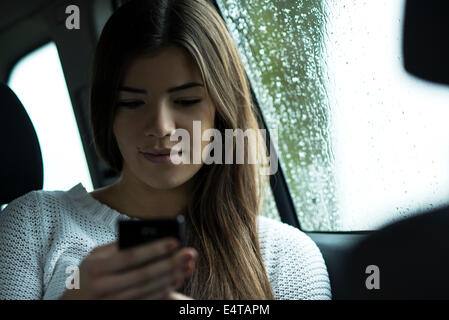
x=44 y=232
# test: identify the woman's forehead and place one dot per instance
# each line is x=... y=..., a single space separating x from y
x=167 y=65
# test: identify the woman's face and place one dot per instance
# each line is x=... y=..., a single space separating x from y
x=158 y=95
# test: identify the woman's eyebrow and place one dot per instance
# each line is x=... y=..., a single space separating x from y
x=178 y=88
x=135 y=90
x=185 y=86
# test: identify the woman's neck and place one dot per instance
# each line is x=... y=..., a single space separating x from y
x=138 y=200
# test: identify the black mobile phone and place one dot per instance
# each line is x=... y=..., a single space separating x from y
x=136 y=232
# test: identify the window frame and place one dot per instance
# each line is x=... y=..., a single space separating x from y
x=30 y=49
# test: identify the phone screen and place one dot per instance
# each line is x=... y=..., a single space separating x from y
x=136 y=232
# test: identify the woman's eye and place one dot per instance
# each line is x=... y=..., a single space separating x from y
x=130 y=103
x=188 y=102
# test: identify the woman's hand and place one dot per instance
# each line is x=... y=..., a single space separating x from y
x=149 y=271
x=178 y=296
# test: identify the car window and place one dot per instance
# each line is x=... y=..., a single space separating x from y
x=38 y=81
x=361 y=142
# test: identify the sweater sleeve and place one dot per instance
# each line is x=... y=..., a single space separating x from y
x=294 y=263
x=302 y=259
x=21 y=249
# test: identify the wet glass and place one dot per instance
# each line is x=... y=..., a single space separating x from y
x=361 y=142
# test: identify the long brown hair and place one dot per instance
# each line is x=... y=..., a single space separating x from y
x=222 y=214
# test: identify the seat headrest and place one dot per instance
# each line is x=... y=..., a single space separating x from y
x=412 y=257
x=426 y=40
x=21 y=167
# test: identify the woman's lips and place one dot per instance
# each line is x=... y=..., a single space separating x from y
x=158 y=158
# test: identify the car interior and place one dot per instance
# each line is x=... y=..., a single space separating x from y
x=412 y=253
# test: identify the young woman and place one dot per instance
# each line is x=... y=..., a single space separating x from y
x=161 y=65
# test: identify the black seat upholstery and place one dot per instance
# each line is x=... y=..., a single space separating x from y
x=412 y=257
x=21 y=167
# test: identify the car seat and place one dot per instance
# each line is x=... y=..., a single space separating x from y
x=21 y=166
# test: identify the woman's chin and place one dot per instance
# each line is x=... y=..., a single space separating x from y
x=169 y=179
x=164 y=184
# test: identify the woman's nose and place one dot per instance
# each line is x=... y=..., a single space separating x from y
x=159 y=122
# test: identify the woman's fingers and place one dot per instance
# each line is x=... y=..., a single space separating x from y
x=152 y=270
x=178 y=296
x=105 y=250
x=161 y=286
x=153 y=281
x=171 y=266
x=137 y=256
